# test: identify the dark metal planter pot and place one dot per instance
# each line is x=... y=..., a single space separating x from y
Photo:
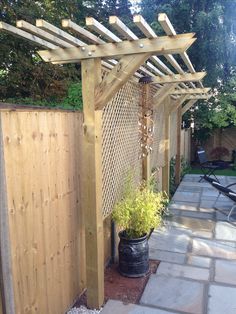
x=133 y=256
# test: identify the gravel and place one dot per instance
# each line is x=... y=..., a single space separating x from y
x=83 y=310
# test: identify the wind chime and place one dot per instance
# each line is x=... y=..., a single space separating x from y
x=146 y=125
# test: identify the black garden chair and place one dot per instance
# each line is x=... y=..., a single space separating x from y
x=208 y=168
x=227 y=192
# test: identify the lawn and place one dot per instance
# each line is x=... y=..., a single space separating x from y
x=226 y=172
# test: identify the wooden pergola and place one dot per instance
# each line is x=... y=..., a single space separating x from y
x=123 y=57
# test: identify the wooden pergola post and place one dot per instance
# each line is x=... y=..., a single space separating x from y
x=166 y=138
x=92 y=184
x=178 y=144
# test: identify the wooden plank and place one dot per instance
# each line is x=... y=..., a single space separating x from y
x=200 y=96
x=161 y=46
x=178 y=145
x=177 y=78
x=101 y=29
x=189 y=104
x=42 y=34
x=144 y=26
x=122 y=28
x=146 y=162
x=6 y=282
x=78 y=30
x=160 y=96
x=191 y=91
x=169 y=30
x=19 y=33
x=92 y=184
x=117 y=77
x=166 y=24
x=166 y=168
x=59 y=33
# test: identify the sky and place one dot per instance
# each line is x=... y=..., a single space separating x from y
x=135 y=6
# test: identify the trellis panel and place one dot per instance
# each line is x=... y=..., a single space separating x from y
x=120 y=144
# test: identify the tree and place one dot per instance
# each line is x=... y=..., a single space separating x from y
x=214 y=23
x=22 y=73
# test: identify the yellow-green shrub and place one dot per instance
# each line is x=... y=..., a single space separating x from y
x=139 y=211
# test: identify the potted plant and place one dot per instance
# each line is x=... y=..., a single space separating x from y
x=137 y=214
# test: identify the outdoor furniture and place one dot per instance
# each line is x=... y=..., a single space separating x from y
x=224 y=190
x=208 y=168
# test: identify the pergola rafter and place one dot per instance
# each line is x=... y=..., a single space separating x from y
x=122 y=57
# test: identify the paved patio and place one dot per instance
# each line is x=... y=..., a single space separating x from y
x=197 y=250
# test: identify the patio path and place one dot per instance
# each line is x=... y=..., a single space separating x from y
x=197 y=250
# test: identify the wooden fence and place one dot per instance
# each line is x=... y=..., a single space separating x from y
x=221 y=138
x=42 y=222
x=42 y=231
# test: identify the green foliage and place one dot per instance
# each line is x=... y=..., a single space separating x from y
x=72 y=101
x=185 y=168
x=74 y=97
x=140 y=210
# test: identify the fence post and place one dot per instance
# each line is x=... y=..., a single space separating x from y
x=92 y=184
x=166 y=137
x=178 y=143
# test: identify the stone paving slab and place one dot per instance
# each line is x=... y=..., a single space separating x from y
x=118 y=307
x=225 y=231
x=210 y=192
x=222 y=300
x=225 y=272
x=203 y=234
x=199 y=261
x=186 y=197
x=184 y=271
x=170 y=240
x=189 y=188
x=174 y=294
x=191 y=223
x=212 y=248
x=195 y=214
x=207 y=206
x=166 y=256
x=183 y=206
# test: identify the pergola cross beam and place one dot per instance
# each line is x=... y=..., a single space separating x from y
x=162 y=45
x=178 y=78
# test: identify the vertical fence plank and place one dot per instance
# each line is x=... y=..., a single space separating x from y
x=6 y=282
x=92 y=184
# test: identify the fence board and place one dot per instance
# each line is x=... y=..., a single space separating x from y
x=42 y=174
